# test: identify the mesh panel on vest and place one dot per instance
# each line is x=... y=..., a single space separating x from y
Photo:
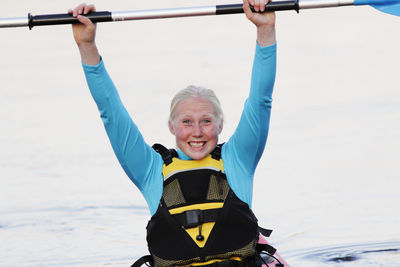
x=173 y=195
x=218 y=188
x=243 y=253
x=158 y=262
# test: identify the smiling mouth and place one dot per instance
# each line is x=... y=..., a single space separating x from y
x=197 y=144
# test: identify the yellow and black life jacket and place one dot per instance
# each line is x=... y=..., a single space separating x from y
x=200 y=220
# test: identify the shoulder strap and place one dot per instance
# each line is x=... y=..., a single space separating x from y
x=166 y=154
x=216 y=153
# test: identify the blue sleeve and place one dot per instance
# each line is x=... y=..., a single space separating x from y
x=244 y=149
x=140 y=162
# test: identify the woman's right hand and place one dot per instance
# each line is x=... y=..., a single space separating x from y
x=85 y=34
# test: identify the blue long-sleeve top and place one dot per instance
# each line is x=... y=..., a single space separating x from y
x=240 y=154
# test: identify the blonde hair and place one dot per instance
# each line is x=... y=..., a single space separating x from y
x=197 y=91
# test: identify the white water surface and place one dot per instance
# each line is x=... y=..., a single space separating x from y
x=328 y=182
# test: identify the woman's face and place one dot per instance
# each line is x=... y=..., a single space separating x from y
x=195 y=127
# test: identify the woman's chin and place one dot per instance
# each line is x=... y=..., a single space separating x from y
x=197 y=155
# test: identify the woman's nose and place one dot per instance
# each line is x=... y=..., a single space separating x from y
x=197 y=131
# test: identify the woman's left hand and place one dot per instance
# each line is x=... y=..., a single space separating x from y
x=265 y=22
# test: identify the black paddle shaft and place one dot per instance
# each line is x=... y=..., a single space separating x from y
x=271 y=6
x=57 y=19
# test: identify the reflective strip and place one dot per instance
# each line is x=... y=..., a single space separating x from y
x=203 y=206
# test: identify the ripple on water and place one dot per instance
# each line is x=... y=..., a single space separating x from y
x=385 y=254
x=62 y=215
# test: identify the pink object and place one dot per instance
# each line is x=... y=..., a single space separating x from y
x=263 y=240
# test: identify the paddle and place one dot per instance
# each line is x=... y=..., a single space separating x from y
x=386 y=6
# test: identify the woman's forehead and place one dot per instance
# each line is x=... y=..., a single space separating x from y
x=195 y=105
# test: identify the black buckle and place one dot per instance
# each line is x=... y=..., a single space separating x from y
x=193 y=218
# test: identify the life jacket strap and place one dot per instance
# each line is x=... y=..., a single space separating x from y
x=264 y=232
x=166 y=154
x=193 y=218
x=265 y=247
x=216 y=153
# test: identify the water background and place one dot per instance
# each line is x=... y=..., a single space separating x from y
x=329 y=177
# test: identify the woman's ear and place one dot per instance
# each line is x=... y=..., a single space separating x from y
x=171 y=127
x=221 y=125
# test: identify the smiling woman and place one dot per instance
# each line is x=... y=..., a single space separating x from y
x=200 y=194
x=196 y=125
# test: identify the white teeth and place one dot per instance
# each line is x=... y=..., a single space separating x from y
x=196 y=144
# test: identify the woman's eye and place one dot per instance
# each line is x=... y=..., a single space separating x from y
x=207 y=121
x=186 y=121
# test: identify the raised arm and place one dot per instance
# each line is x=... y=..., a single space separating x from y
x=244 y=149
x=139 y=161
